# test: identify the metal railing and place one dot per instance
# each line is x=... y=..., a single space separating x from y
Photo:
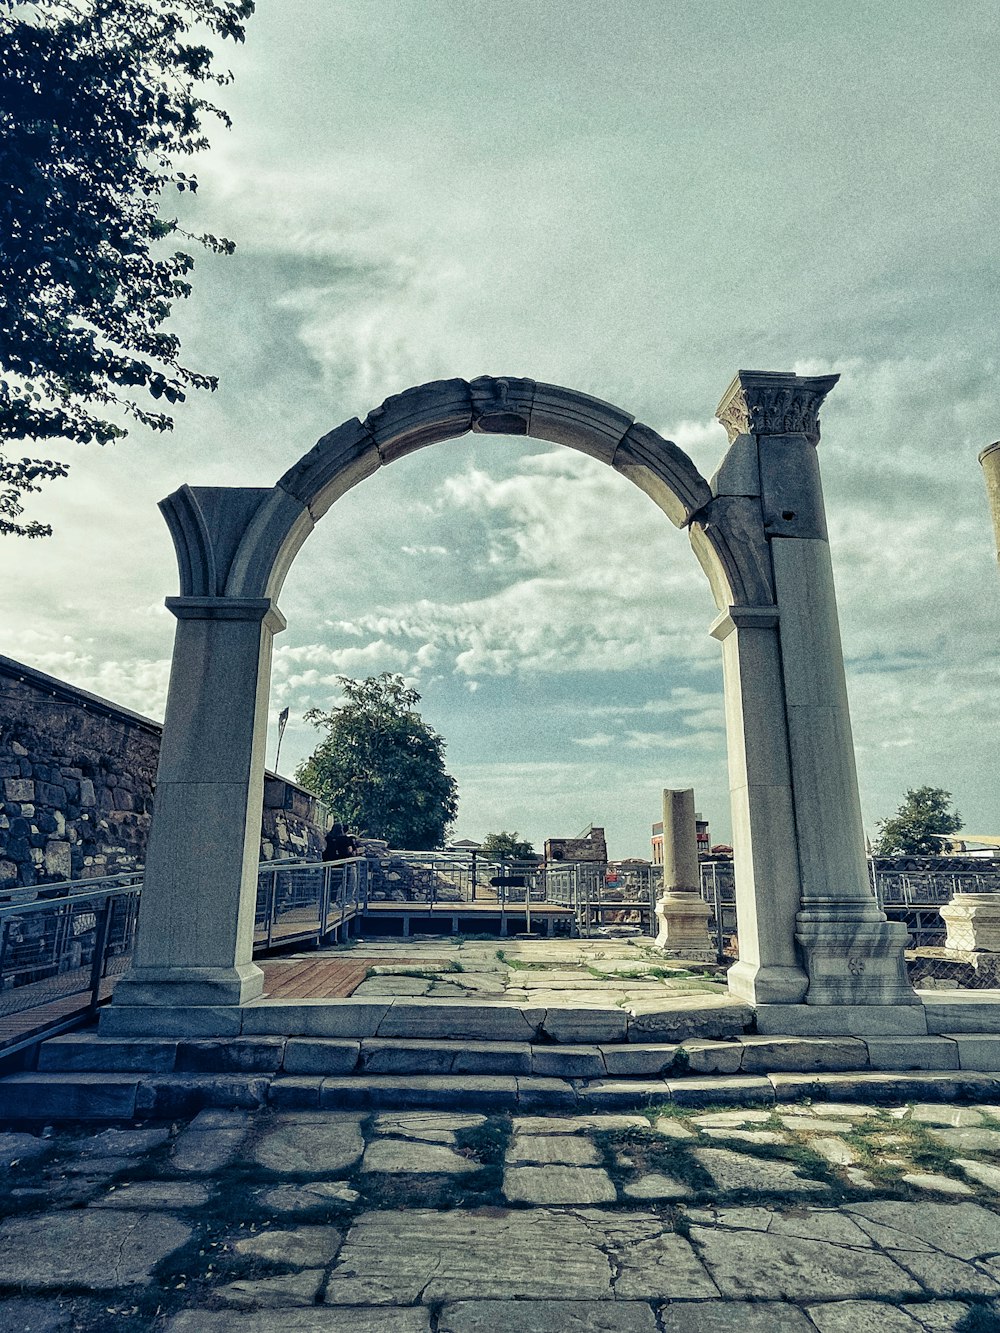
x=302 y=900
x=60 y=955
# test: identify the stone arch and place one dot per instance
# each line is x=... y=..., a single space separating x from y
x=807 y=919
x=241 y=542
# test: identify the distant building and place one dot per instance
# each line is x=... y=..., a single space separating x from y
x=701 y=832
x=589 y=846
x=464 y=845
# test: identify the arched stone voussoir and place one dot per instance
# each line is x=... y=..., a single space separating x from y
x=271 y=541
x=332 y=466
x=658 y=467
x=408 y=421
x=728 y=538
x=565 y=416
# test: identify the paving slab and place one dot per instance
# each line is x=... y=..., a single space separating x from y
x=299 y=1198
x=953 y=1117
x=155 y=1194
x=939 y=1316
x=423 y=1255
x=731 y=1317
x=309 y=1144
x=123 y=1142
x=751 y=1265
x=938 y=1184
x=861 y=1317
x=289 y=1289
x=403 y=1156
x=543 y=1149
x=944 y=1275
x=546 y=1185
x=739 y=1171
x=672 y=1129
x=577 y=1124
x=834 y=1150
x=965 y=1230
x=818 y=1224
x=96 y=1250
x=303 y=1247
x=318 y=1320
x=720 y=1119
x=976 y=1140
x=806 y=1124
x=547 y=1317
x=981 y=1172
x=771 y=1136
x=655 y=1185
x=428 y=1126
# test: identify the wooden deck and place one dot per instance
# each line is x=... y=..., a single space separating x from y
x=324 y=978
x=21 y=1025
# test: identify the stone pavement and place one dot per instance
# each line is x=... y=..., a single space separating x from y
x=831 y=1217
x=596 y=972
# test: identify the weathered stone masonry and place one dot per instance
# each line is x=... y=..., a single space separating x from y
x=76 y=786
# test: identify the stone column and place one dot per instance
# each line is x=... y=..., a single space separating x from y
x=682 y=914
x=195 y=941
x=990 y=460
x=852 y=953
x=760 y=787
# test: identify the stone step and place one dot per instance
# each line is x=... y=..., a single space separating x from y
x=122 y=1096
x=681 y=1018
x=745 y=1054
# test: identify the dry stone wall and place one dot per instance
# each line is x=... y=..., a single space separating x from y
x=76 y=786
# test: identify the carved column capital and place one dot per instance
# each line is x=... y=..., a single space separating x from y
x=766 y=402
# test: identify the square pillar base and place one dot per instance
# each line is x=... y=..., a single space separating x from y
x=683 y=919
x=186 y=986
x=767 y=985
x=853 y=955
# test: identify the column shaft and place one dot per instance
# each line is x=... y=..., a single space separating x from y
x=195 y=940
x=764 y=845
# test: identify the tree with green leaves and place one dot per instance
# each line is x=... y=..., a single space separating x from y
x=507 y=847
x=918 y=826
x=100 y=100
x=380 y=767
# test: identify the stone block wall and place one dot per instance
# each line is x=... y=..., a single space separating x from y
x=76 y=786
x=589 y=846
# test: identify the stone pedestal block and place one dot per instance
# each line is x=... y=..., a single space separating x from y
x=683 y=933
x=973 y=921
x=853 y=955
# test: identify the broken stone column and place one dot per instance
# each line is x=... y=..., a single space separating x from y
x=853 y=954
x=990 y=460
x=681 y=912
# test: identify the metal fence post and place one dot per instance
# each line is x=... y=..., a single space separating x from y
x=102 y=929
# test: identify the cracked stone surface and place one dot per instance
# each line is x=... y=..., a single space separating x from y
x=543 y=1149
x=94 y=1250
x=289 y=1289
x=303 y=1247
x=558 y=1184
x=399 y=1155
x=734 y=1171
x=309 y=1142
x=756 y=1265
x=429 y=1126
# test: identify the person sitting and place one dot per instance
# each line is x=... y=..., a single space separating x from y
x=339 y=845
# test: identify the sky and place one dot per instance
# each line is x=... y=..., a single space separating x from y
x=634 y=200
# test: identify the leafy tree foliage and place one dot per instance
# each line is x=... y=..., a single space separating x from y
x=507 y=846
x=910 y=832
x=380 y=767
x=99 y=99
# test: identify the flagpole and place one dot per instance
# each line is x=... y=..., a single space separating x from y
x=282 y=721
